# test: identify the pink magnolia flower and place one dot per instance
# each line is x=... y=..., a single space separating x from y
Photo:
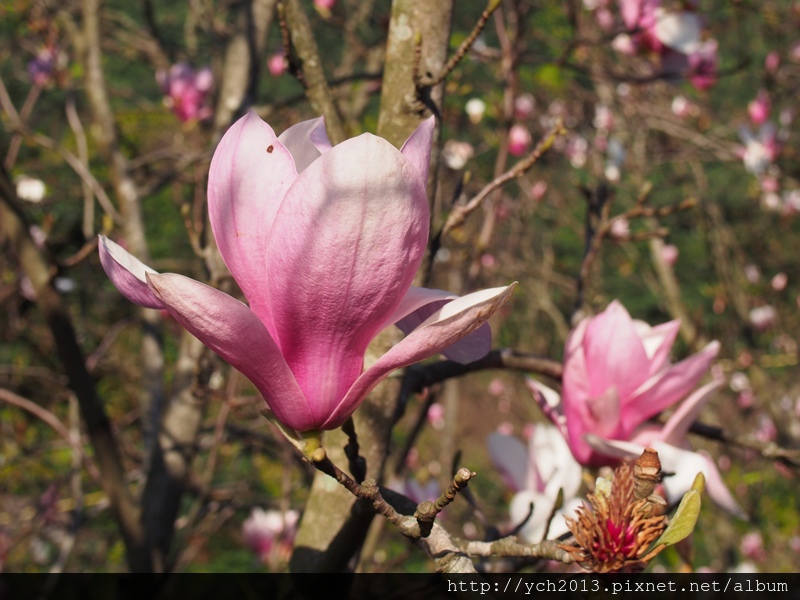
x=535 y=474
x=187 y=92
x=325 y=4
x=617 y=375
x=703 y=64
x=324 y=242
x=524 y=105
x=677 y=458
x=759 y=109
x=519 y=138
x=270 y=534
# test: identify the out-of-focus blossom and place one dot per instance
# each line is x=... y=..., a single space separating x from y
x=324 y=242
x=187 y=92
x=456 y=154
x=497 y=387
x=760 y=149
x=524 y=105
x=739 y=382
x=786 y=116
x=603 y=117
x=605 y=18
x=620 y=228
x=763 y=317
x=324 y=7
x=769 y=184
x=772 y=62
x=669 y=254
x=519 y=138
x=679 y=31
x=791 y=201
x=615 y=158
x=617 y=375
x=475 y=109
x=270 y=534
x=683 y=108
x=276 y=64
x=752 y=546
x=624 y=44
x=759 y=109
x=766 y=432
x=45 y=68
x=752 y=273
x=779 y=282
x=576 y=151
x=536 y=474
x=772 y=202
x=436 y=416
x=30 y=189
x=794 y=52
x=539 y=189
x=488 y=260
x=703 y=65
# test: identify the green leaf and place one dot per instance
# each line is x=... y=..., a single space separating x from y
x=685 y=518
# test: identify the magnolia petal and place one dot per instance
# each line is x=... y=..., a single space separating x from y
x=343 y=251
x=549 y=402
x=684 y=466
x=306 y=141
x=420 y=303
x=666 y=388
x=658 y=342
x=678 y=30
x=677 y=426
x=234 y=332
x=510 y=456
x=248 y=178
x=452 y=322
x=614 y=353
x=554 y=464
x=127 y=273
x=417 y=148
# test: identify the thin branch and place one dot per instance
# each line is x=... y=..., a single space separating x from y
x=48 y=417
x=460 y=213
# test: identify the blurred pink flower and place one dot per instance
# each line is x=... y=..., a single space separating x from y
x=524 y=104
x=519 y=138
x=187 y=92
x=760 y=149
x=779 y=282
x=536 y=474
x=763 y=317
x=276 y=64
x=456 y=154
x=670 y=253
x=603 y=117
x=325 y=251
x=45 y=67
x=752 y=546
x=325 y=5
x=270 y=534
x=703 y=64
x=772 y=62
x=759 y=109
x=496 y=387
x=436 y=416
x=752 y=273
x=617 y=375
x=620 y=228
x=682 y=107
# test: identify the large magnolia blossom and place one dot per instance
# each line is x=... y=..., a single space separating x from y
x=324 y=243
x=617 y=375
x=536 y=474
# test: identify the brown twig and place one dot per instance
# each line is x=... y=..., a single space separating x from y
x=460 y=213
x=462 y=50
